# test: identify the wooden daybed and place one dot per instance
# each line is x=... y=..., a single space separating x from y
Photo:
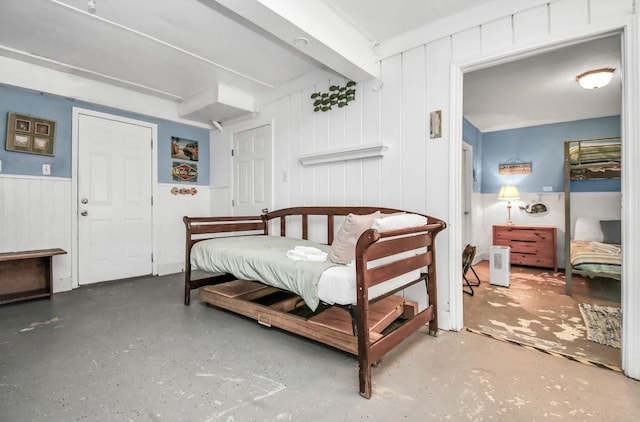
x=367 y=327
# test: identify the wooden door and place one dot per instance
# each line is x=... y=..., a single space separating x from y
x=115 y=237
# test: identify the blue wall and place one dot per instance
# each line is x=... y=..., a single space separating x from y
x=543 y=147
x=57 y=108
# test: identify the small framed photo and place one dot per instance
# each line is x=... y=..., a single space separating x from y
x=23 y=125
x=42 y=128
x=33 y=135
x=21 y=141
x=41 y=143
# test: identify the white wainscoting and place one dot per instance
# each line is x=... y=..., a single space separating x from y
x=169 y=230
x=35 y=213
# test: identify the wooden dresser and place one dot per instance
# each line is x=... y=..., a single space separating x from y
x=535 y=246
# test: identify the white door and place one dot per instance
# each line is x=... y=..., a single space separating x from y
x=467 y=189
x=252 y=171
x=114 y=199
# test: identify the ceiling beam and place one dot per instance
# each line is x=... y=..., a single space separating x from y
x=331 y=40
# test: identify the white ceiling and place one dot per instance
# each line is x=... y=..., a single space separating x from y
x=217 y=58
x=542 y=89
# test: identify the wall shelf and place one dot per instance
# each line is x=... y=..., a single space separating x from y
x=344 y=154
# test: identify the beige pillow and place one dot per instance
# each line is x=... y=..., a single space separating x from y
x=343 y=248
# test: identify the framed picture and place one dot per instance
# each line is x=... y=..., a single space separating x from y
x=184 y=149
x=42 y=128
x=23 y=125
x=21 y=141
x=29 y=134
x=41 y=144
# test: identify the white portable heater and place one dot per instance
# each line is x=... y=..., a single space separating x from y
x=500 y=265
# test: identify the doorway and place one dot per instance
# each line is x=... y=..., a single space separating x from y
x=252 y=171
x=113 y=187
x=531 y=289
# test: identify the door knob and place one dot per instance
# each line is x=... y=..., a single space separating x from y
x=84 y=213
x=265 y=210
x=84 y=201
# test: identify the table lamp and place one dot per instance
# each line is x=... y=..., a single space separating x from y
x=507 y=193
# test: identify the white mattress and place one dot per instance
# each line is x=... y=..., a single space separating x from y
x=337 y=285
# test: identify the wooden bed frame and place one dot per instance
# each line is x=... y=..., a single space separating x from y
x=369 y=329
x=611 y=171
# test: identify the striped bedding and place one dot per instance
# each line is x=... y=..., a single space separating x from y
x=595 y=153
x=596 y=257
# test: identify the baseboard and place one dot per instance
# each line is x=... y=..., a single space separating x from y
x=62 y=285
x=171 y=268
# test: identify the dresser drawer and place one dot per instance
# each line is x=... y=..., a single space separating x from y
x=530 y=235
x=529 y=245
x=532 y=260
x=531 y=248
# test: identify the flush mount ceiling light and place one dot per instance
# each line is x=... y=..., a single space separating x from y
x=301 y=41
x=596 y=78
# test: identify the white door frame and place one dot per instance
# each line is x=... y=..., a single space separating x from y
x=630 y=71
x=466 y=165
x=76 y=112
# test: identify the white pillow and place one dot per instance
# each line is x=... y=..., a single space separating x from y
x=398 y=221
x=343 y=247
x=588 y=229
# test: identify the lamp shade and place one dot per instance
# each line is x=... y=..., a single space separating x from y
x=595 y=78
x=508 y=192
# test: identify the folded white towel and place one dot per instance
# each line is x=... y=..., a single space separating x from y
x=306 y=253
x=308 y=250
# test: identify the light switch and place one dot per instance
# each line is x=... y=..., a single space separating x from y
x=46 y=169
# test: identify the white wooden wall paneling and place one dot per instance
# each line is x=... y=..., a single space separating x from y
x=532 y=24
x=281 y=147
x=437 y=182
x=294 y=169
x=35 y=213
x=169 y=230
x=322 y=194
x=465 y=43
x=496 y=35
x=438 y=57
x=414 y=137
x=607 y=10
x=371 y=124
x=568 y=15
x=353 y=136
x=391 y=132
x=337 y=171
x=307 y=145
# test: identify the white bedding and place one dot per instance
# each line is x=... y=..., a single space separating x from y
x=337 y=285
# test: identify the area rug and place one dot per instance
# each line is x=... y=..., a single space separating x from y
x=603 y=323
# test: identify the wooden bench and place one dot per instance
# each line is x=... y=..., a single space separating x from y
x=27 y=274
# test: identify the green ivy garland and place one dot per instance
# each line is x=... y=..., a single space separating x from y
x=337 y=95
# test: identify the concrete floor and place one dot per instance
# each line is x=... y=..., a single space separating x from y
x=131 y=351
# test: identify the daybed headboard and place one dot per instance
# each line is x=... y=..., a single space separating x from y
x=330 y=213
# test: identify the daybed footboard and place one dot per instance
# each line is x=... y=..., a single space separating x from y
x=368 y=329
